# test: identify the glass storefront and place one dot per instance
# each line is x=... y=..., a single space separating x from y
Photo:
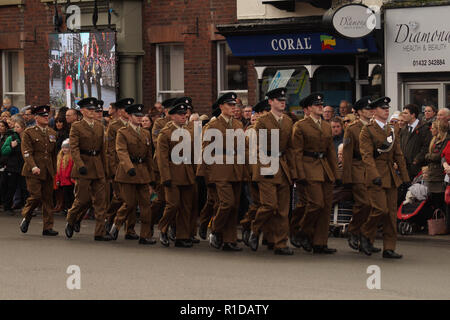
x=298 y=86
x=335 y=83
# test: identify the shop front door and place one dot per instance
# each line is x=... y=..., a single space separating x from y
x=425 y=94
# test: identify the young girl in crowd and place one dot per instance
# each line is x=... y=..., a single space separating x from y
x=13 y=161
x=63 y=181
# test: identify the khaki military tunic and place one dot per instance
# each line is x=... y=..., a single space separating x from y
x=134 y=150
x=274 y=189
x=383 y=199
x=315 y=160
x=210 y=208
x=38 y=148
x=227 y=179
x=354 y=173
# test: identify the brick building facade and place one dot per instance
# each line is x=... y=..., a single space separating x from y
x=191 y=25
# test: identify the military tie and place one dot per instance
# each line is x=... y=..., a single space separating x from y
x=410 y=129
x=230 y=124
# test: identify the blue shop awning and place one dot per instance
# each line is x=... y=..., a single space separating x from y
x=295 y=44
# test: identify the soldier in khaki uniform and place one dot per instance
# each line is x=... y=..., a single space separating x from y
x=299 y=211
x=315 y=159
x=354 y=171
x=274 y=187
x=211 y=205
x=134 y=173
x=380 y=150
x=178 y=181
x=39 y=153
x=88 y=153
x=260 y=109
x=112 y=163
x=159 y=203
x=227 y=179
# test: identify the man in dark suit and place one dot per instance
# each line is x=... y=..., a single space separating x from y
x=414 y=140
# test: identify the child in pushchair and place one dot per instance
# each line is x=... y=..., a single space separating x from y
x=416 y=209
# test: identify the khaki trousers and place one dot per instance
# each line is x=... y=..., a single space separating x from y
x=114 y=206
x=299 y=211
x=361 y=208
x=179 y=209
x=40 y=192
x=384 y=211
x=157 y=206
x=316 y=220
x=272 y=216
x=85 y=190
x=133 y=195
x=225 y=221
x=211 y=206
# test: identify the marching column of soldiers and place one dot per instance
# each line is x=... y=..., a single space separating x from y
x=135 y=163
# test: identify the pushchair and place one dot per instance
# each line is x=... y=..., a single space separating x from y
x=415 y=210
x=341 y=211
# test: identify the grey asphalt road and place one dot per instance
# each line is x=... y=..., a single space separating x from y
x=34 y=267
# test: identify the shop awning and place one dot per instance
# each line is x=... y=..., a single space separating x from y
x=297 y=43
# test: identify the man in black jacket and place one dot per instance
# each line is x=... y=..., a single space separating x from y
x=415 y=140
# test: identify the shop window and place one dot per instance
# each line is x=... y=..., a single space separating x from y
x=335 y=84
x=169 y=71
x=298 y=86
x=13 y=77
x=373 y=89
x=231 y=73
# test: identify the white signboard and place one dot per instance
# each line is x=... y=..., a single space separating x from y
x=281 y=79
x=417 y=39
x=354 y=20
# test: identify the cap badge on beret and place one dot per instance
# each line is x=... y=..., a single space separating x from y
x=187 y=101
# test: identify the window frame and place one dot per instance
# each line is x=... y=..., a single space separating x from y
x=221 y=92
x=159 y=92
x=6 y=93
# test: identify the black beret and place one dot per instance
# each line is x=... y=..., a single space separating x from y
x=100 y=102
x=179 y=108
x=279 y=94
x=229 y=97
x=135 y=109
x=41 y=110
x=123 y=103
x=90 y=103
x=363 y=103
x=382 y=102
x=315 y=98
x=185 y=100
x=261 y=106
x=168 y=102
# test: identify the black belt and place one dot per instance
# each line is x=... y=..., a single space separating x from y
x=91 y=153
x=317 y=155
x=280 y=153
x=137 y=159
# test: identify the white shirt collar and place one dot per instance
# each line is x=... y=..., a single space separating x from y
x=414 y=124
x=381 y=124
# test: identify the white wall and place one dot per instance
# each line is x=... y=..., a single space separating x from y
x=254 y=9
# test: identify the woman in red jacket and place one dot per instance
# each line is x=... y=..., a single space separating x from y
x=63 y=180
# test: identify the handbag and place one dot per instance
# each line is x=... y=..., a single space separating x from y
x=437 y=224
x=447 y=195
